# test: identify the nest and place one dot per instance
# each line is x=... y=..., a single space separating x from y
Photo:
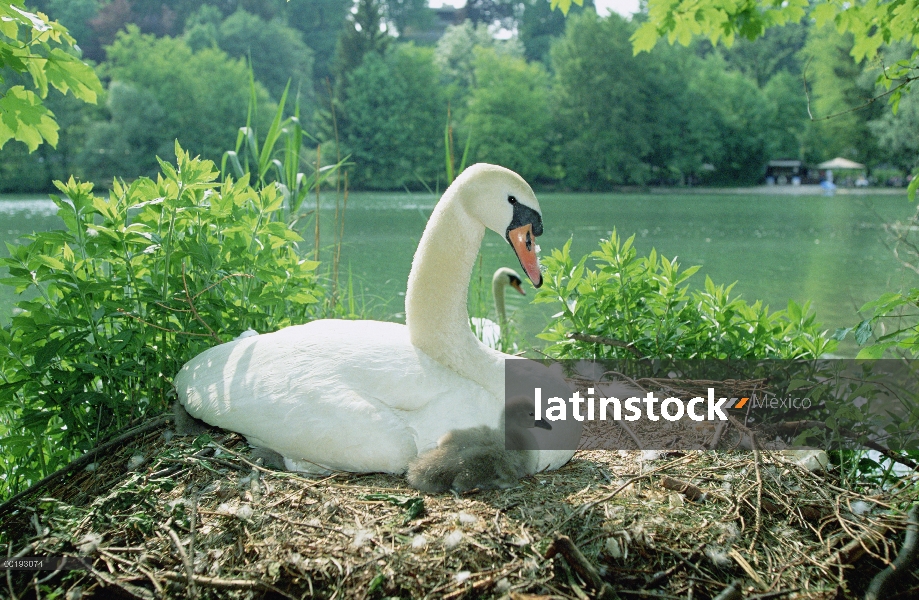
x=166 y=517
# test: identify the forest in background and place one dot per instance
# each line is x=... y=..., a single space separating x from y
x=563 y=101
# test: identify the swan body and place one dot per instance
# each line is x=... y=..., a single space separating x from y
x=478 y=457
x=366 y=396
x=485 y=329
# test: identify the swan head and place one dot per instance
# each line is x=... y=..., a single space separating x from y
x=506 y=276
x=504 y=202
x=519 y=414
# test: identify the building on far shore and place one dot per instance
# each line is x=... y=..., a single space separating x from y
x=788 y=171
x=784 y=172
x=444 y=17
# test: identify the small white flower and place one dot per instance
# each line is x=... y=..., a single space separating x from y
x=462 y=576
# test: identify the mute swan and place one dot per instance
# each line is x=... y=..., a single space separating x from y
x=369 y=396
x=485 y=329
x=477 y=458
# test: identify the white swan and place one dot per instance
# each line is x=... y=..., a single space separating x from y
x=368 y=396
x=485 y=329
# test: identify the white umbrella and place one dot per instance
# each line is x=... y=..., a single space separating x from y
x=840 y=163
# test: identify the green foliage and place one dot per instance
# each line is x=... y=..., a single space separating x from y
x=279 y=159
x=320 y=22
x=454 y=57
x=890 y=326
x=31 y=43
x=870 y=26
x=201 y=96
x=837 y=87
x=540 y=24
x=137 y=284
x=623 y=119
x=680 y=20
x=740 y=113
x=787 y=110
x=277 y=51
x=128 y=143
x=644 y=303
x=564 y=5
x=776 y=52
x=364 y=33
x=409 y=15
x=895 y=130
x=508 y=112
x=394 y=119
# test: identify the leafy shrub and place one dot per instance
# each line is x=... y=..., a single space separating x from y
x=641 y=307
x=137 y=284
x=890 y=322
x=393 y=119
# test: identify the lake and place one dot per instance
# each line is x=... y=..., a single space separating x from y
x=830 y=250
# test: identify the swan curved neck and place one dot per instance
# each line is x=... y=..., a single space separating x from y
x=497 y=291
x=435 y=300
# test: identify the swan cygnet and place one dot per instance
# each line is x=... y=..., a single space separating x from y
x=478 y=457
x=485 y=329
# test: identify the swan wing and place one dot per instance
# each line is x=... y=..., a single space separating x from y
x=346 y=395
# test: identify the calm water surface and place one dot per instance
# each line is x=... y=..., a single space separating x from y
x=830 y=250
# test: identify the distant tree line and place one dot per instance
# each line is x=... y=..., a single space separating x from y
x=563 y=101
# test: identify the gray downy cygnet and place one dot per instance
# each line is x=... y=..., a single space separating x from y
x=477 y=457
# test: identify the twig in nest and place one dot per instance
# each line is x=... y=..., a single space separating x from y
x=808 y=513
x=585 y=507
x=132 y=591
x=226 y=584
x=186 y=561
x=9 y=577
x=754 y=444
x=84 y=460
x=732 y=592
x=661 y=576
x=598 y=339
x=857 y=547
x=886 y=579
x=684 y=487
x=564 y=546
x=716 y=438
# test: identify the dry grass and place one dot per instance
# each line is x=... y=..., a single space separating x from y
x=200 y=519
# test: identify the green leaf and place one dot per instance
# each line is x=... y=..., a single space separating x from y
x=798 y=383
x=824 y=13
x=873 y=352
x=25 y=119
x=564 y=5
x=841 y=333
x=68 y=73
x=644 y=38
x=863 y=332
